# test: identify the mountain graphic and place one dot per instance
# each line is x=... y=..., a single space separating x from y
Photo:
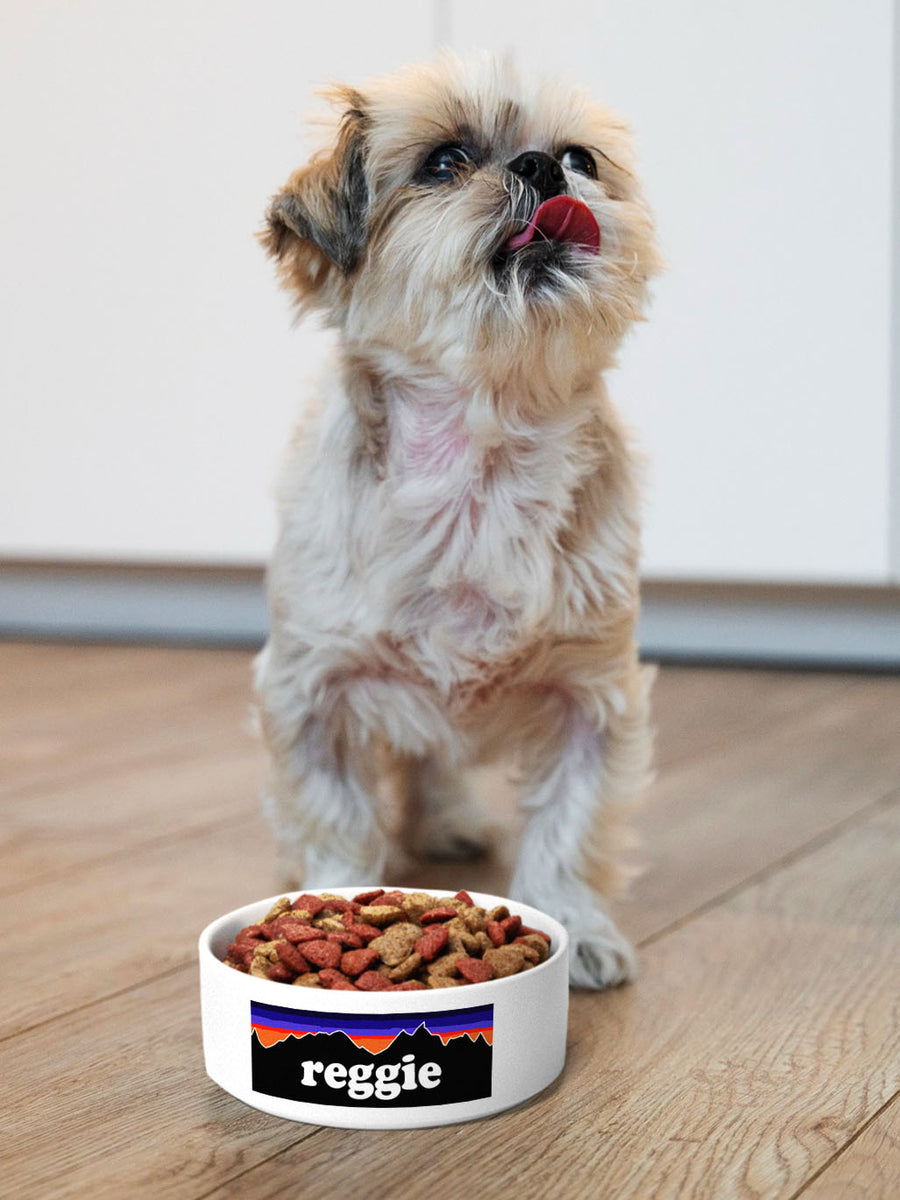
x=465 y=1068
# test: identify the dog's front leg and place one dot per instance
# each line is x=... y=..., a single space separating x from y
x=321 y=809
x=572 y=783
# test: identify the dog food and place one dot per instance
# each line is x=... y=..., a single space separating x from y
x=384 y=941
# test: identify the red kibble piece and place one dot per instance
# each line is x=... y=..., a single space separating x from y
x=437 y=914
x=312 y=904
x=354 y=962
x=411 y=985
x=475 y=970
x=465 y=897
x=281 y=973
x=374 y=981
x=496 y=932
x=510 y=927
x=393 y=898
x=292 y=958
x=269 y=931
x=296 y=931
x=366 y=932
x=539 y=932
x=322 y=953
x=368 y=897
x=430 y=944
x=335 y=981
x=342 y=906
x=251 y=932
x=350 y=941
x=242 y=952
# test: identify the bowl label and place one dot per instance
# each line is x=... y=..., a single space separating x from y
x=392 y=1060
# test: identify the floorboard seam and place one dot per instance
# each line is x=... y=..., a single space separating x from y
x=262 y=1162
x=846 y=1146
x=822 y=839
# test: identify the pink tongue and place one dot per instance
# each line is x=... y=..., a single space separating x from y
x=561 y=219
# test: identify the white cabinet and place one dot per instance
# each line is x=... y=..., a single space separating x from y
x=761 y=387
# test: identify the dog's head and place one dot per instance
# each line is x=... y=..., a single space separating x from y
x=460 y=211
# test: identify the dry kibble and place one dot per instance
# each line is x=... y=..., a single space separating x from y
x=386 y=941
x=396 y=943
x=380 y=914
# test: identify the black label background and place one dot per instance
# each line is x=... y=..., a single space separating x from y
x=465 y=1068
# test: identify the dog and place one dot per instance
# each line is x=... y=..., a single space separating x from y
x=456 y=573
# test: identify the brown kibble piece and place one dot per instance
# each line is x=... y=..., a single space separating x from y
x=411 y=985
x=505 y=960
x=499 y=913
x=404 y=970
x=396 y=943
x=439 y=981
x=280 y=906
x=445 y=965
x=380 y=914
x=311 y=979
x=417 y=903
x=537 y=943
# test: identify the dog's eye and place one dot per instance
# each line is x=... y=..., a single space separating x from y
x=446 y=163
x=576 y=158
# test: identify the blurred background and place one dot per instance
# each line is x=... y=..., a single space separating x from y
x=150 y=373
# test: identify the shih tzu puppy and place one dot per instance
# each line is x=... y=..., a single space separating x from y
x=456 y=576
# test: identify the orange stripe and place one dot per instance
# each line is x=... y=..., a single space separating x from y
x=269 y=1036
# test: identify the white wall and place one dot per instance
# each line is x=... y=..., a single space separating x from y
x=148 y=374
x=761 y=386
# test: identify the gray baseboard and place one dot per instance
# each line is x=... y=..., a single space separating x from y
x=696 y=622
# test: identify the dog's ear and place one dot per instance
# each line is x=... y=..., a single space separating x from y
x=316 y=225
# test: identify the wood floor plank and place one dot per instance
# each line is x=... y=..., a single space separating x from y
x=77 y=823
x=869 y=1169
x=149 y=702
x=761 y=1036
x=122 y=1107
x=713 y=821
x=125 y=920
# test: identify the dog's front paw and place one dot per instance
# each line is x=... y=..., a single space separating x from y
x=600 y=958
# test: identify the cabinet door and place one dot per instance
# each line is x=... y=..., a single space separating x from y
x=761 y=385
x=149 y=373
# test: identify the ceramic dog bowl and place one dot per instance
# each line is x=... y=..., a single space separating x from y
x=383 y=1060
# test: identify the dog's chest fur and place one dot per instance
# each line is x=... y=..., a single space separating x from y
x=467 y=540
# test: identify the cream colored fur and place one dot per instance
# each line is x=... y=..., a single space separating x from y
x=456 y=573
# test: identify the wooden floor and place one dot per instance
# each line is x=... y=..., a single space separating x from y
x=758 y=1055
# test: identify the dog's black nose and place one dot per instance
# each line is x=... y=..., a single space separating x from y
x=540 y=170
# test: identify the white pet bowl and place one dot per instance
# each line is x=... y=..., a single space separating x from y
x=443 y=1055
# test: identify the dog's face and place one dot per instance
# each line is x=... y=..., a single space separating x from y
x=460 y=213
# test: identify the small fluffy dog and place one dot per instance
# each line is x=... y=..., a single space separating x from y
x=456 y=573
